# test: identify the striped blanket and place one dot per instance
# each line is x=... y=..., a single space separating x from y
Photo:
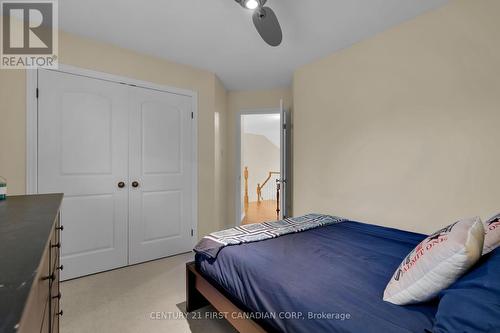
x=211 y=244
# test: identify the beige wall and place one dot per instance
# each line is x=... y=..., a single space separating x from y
x=245 y=100
x=13 y=130
x=97 y=56
x=402 y=129
x=220 y=149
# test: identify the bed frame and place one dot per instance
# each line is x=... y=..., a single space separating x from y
x=202 y=291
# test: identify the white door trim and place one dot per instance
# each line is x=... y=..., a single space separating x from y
x=32 y=125
x=238 y=155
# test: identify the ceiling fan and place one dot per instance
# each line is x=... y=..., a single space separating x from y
x=265 y=21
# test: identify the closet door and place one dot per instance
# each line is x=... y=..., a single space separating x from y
x=161 y=164
x=83 y=152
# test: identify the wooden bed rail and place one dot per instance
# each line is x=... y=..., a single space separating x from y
x=200 y=292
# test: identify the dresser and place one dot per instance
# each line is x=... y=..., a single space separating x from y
x=30 y=242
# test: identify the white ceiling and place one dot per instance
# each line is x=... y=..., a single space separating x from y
x=218 y=35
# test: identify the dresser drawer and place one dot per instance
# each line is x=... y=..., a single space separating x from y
x=55 y=315
x=55 y=247
x=46 y=322
x=55 y=294
x=37 y=306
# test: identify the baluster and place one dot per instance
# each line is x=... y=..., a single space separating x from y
x=245 y=174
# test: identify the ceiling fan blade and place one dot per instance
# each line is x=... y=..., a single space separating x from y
x=267 y=25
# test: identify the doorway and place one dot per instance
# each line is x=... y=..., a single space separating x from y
x=261 y=166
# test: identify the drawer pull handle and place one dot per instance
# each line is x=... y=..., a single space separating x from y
x=60 y=313
x=60 y=267
x=58 y=296
x=135 y=184
x=58 y=245
x=50 y=277
x=60 y=228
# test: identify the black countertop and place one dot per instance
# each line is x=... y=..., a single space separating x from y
x=25 y=225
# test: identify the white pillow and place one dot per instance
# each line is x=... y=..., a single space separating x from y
x=492 y=237
x=437 y=262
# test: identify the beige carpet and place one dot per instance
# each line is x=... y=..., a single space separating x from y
x=123 y=301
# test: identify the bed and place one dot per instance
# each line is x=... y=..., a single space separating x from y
x=328 y=279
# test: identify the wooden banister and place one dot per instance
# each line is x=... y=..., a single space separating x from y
x=260 y=187
x=245 y=175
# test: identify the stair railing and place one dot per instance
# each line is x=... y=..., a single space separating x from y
x=245 y=198
x=260 y=187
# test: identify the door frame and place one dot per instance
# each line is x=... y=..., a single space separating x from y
x=32 y=125
x=238 y=169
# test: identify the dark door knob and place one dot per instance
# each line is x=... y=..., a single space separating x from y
x=135 y=184
x=121 y=184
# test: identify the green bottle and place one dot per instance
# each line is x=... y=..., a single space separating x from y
x=3 y=188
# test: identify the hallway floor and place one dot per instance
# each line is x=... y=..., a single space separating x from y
x=258 y=212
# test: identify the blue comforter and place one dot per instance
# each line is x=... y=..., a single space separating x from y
x=331 y=279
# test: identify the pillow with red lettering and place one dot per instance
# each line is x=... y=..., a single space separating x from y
x=437 y=262
x=492 y=237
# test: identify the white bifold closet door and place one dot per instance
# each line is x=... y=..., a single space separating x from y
x=160 y=162
x=122 y=156
x=83 y=152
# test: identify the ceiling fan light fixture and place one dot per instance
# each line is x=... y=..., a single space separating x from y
x=251 y=4
x=265 y=21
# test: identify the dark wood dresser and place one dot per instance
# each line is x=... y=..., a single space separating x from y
x=30 y=245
